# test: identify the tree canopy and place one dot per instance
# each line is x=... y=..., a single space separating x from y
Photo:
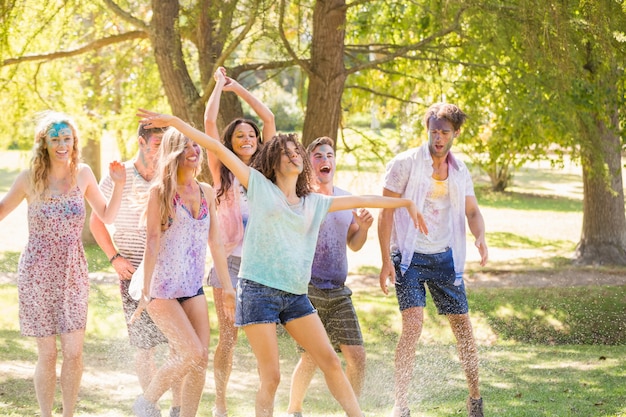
x=539 y=78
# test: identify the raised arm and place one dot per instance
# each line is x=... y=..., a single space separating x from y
x=210 y=122
x=264 y=112
x=226 y=156
x=357 y=232
x=106 y=210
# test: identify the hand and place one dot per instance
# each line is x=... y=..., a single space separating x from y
x=152 y=119
x=387 y=273
x=417 y=217
x=143 y=303
x=363 y=218
x=117 y=172
x=123 y=267
x=228 y=304
x=482 y=249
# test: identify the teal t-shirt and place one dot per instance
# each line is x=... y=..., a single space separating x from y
x=280 y=239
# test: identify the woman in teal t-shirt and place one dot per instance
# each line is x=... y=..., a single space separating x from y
x=284 y=220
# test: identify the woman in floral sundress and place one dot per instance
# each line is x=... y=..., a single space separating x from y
x=52 y=276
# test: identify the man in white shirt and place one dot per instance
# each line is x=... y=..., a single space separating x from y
x=442 y=189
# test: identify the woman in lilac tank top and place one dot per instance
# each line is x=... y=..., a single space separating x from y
x=180 y=219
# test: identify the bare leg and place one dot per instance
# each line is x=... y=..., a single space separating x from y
x=300 y=381
x=196 y=310
x=45 y=374
x=466 y=347
x=187 y=350
x=71 y=369
x=309 y=332
x=223 y=360
x=264 y=344
x=355 y=366
x=145 y=366
x=412 y=321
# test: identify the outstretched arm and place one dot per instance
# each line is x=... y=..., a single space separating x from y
x=226 y=156
x=346 y=202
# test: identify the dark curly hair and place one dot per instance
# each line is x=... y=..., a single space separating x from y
x=268 y=159
x=227 y=139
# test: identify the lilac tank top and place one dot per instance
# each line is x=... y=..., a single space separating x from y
x=179 y=269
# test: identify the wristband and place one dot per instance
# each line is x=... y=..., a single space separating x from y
x=114 y=257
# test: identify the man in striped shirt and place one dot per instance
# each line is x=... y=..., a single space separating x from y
x=125 y=248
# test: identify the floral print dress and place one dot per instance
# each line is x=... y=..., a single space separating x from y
x=53 y=281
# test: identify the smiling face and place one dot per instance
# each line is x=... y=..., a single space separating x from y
x=323 y=162
x=59 y=142
x=191 y=156
x=244 y=141
x=441 y=135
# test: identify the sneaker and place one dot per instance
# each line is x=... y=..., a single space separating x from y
x=218 y=414
x=475 y=407
x=296 y=414
x=175 y=411
x=144 y=408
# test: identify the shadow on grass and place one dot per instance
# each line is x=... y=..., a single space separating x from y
x=555 y=316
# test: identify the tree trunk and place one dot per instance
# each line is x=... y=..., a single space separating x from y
x=327 y=73
x=603 y=240
x=179 y=87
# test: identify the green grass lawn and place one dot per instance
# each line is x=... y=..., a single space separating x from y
x=544 y=352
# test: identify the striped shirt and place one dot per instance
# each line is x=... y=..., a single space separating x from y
x=129 y=235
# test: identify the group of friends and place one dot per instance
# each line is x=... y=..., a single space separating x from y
x=270 y=196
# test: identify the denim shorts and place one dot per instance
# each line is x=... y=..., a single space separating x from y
x=233 y=270
x=258 y=304
x=183 y=299
x=435 y=270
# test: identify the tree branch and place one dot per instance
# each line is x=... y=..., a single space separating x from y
x=115 y=8
x=407 y=48
x=100 y=43
x=303 y=64
x=378 y=93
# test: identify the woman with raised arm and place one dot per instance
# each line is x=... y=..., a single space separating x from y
x=242 y=137
x=180 y=219
x=278 y=251
x=53 y=282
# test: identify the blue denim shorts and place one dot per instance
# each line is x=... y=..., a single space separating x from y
x=258 y=304
x=437 y=272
